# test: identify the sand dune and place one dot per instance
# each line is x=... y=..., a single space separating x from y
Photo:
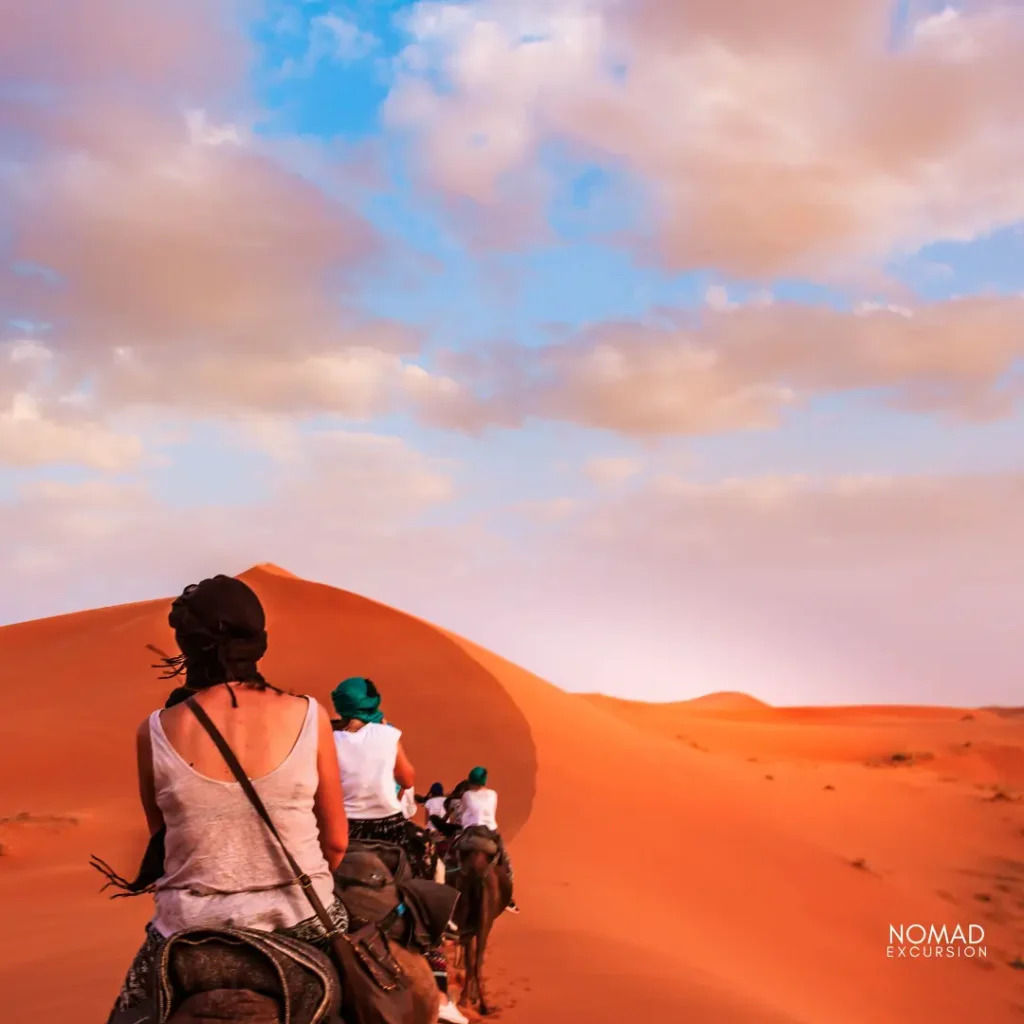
x=712 y=861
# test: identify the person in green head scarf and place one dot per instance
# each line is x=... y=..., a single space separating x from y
x=375 y=773
x=478 y=809
x=374 y=767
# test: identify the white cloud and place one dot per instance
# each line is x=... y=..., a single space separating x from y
x=343 y=500
x=348 y=40
x=29 y=438
x=717 y=297
x=611 y=471
x=333 y=38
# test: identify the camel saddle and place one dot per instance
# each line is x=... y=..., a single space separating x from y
x=243 y=976
x=228 y=1004
x=478 y=838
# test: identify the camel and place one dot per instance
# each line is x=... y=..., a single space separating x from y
x=426 y=994
x=485 y=893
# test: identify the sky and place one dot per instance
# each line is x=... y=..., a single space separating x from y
x=661 y=346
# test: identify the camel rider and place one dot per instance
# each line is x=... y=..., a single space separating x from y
x=374 y=771
x=453 y=802
x=230 y=875
x=479 y=809
x=434 y=804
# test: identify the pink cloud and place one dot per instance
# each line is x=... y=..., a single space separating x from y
x=121 y=42
x=742 y=367
x=197 y=265
x=773 y=139
x=183 y=232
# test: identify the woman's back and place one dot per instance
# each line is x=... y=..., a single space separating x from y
x=221 y=866
x=261 y=727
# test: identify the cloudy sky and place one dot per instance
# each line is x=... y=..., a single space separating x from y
x=663 y=346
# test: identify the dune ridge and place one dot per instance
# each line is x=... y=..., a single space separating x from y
x=674 y=864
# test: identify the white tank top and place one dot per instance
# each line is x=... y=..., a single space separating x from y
x=222 y=867
x=479 y=807
x=435 y=806
x=367 y=762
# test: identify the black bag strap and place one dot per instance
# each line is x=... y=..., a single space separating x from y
x=254 y=798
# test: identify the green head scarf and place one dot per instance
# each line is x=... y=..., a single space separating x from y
x=357 y=698
x=478 y=777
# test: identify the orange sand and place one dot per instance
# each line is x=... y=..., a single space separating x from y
x=688 y=862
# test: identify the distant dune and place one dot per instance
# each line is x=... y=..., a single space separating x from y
x=723 y=703
x=714 y=861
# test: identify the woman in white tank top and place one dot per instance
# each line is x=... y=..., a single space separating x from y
x=374 y=770
x=372 y=763
x=220 y=867
x=479 y=810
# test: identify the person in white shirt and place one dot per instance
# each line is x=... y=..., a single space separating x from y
x=374 y=767
x=434 y=804
x=479 y=809
x=374 y=771
x=453 y=803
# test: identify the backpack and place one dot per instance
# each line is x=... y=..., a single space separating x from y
x=365 y=883
x=375 y=883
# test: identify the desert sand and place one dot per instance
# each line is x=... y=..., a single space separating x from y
x=716 y=861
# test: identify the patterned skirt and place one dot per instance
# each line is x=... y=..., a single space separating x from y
x=138 y=989
x=397 y=829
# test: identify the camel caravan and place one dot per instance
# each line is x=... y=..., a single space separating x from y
x=290 y=884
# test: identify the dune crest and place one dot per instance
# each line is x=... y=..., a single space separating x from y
x=270 y=568
x=717 y=861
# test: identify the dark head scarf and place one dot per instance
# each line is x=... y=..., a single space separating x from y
x=221 y=631
x=436 y=790
x=357 y=698
x=220 y=628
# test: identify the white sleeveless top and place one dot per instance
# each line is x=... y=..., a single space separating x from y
x=222 y=867
x=479 y=807
x=435 y=806
x=367 y=762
